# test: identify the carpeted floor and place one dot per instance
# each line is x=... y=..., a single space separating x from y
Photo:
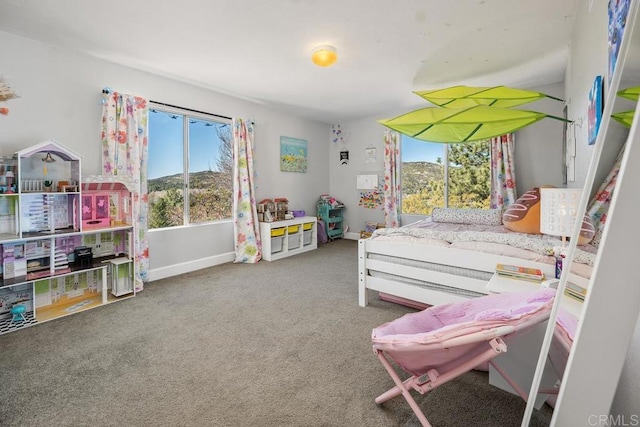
x=273 y=344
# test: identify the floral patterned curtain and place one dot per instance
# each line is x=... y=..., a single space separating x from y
x=124 y=154
x=391 y=185
x=503 y=174
x=246 y=230
x=599 y=205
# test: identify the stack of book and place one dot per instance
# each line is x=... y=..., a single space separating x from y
x=575 y=291
x=520 y=273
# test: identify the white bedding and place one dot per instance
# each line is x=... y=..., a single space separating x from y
x=484 y=238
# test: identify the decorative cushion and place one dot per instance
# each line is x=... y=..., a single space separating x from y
x=467 y=216
x=523 y=216
x=597 y=238
x=587 y=232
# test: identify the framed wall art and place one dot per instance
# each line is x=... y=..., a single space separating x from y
x=293 y=154
x=595 y=109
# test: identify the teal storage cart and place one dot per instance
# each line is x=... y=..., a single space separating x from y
x=332 y=218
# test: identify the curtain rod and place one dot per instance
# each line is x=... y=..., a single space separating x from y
x=190 y=109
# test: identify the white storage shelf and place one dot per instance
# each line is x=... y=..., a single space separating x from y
x=294 y=239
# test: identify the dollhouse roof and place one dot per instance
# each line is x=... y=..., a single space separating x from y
x=50 y=146
x=107 y=183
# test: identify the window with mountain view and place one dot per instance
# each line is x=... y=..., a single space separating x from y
x=190 y=168
x=424 y=174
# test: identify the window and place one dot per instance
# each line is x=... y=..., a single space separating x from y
x=188 y=151
x=444 y=175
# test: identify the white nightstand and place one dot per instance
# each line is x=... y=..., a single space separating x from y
x=499 y=284
x=521 y=358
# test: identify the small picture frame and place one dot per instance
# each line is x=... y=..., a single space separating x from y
x=370 y=154
x=344 y=157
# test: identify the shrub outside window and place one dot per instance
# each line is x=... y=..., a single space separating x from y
x=190 y=168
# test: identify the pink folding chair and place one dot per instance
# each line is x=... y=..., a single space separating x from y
x=443 y=342
x=563 y=334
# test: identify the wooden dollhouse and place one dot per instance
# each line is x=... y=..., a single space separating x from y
x=47 y=214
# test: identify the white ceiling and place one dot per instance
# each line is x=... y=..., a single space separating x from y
x=260 y=49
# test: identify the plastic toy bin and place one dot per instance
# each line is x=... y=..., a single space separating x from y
x=294 y=241
x=275 y=232
x=306 y=240
x=307 y=226
x=276 y=244
x=293 y=229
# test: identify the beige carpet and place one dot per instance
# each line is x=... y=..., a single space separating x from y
x=273 y=344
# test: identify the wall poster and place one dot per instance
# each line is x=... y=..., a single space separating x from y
x=293 y=154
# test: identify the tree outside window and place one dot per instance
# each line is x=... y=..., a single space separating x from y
x=190 y=168
x=429 y=180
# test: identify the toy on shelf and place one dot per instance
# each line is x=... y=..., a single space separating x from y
x=8 y=168
x=265 y=210
x=273 y=210
x=282 y=207
x=17 y=311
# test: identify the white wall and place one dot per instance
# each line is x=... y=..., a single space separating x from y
x=588 y=59
x=539 y=146
x=60 y=93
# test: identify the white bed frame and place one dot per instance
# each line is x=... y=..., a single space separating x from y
x=435 y=254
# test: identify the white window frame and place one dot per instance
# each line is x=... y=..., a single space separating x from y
x=187 y=114
x=445 y=161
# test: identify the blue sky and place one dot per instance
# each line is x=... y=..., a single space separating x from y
x=414 y=150
x=166 y=157
x=165 y=145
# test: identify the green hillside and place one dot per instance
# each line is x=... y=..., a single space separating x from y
x=203 y=179
x=416 y=174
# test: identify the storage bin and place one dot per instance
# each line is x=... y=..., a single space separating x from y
x=307 y=226
x=294 y=241
x=275 y=232
x=293 y=229
x=306 y=237
x=276 y=244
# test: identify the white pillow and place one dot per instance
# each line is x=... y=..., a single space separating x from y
x=467 y=216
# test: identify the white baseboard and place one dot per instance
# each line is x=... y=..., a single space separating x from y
x=186 y=267
x=352 y=236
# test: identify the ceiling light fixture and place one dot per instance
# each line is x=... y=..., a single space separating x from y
x=324 y=55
